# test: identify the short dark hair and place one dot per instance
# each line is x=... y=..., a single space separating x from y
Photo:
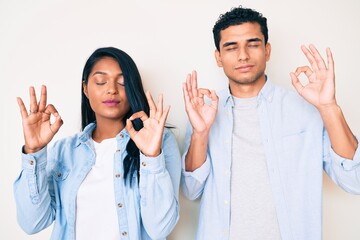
x=237 y=16
x=134 y=92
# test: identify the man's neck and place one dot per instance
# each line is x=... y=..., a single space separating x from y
x=247 y=90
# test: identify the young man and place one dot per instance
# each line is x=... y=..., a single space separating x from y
x=255 y=154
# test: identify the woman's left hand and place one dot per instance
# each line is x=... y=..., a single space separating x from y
x=149 y=138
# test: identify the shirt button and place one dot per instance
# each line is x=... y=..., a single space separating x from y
x=226 y=202
x=144 y=164
x=31 y=162
x=59 y=174
x=117 y=150
x=120 y=205
x=121 y=135
x=117 y=175
x=124 y=234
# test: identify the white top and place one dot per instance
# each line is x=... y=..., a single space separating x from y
x=96 y=216
x=253 y=214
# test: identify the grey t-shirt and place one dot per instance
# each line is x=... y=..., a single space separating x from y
x=253 y=214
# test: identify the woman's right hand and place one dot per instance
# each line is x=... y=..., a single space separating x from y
x=38 y=130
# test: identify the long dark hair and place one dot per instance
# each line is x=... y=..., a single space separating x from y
x=135 y=94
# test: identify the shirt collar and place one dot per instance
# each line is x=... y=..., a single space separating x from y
x=85 y=135
x=266 y=93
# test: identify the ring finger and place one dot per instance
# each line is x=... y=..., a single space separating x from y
x=33 y=101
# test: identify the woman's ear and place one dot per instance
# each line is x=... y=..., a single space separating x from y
x=85 y=90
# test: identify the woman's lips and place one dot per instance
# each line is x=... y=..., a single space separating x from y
x=111 y=103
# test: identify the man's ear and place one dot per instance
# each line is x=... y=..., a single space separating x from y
x=218 y=58
x=267 y=51
x=85 y=89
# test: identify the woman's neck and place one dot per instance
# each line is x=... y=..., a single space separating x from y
x=106 y=129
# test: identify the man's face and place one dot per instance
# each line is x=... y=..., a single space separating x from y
x=243 y=54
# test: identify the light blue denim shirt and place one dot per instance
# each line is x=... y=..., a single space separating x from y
x=46 y=189
x=297 y=149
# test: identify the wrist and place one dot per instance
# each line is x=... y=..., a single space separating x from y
x=152 y=155
x=329 y=108
x=28 y=150
x=200 y=134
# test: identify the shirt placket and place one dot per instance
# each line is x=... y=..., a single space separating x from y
x=119 y=186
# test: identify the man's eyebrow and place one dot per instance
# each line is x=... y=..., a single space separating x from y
x=248 y=40
x=254 y=40
x=229 y=44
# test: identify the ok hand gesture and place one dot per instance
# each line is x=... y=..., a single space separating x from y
x=320 y=90
x=38 y=130
x=201 y=115
x=149 y=138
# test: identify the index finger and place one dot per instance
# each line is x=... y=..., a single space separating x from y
x=204 y=91
x=142 y=115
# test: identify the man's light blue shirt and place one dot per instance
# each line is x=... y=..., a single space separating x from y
x=45 y=192
x=297 y=150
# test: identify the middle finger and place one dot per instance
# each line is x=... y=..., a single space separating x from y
x=319 y=60
x=310 y=57
x=151 y=104
x=159 y=110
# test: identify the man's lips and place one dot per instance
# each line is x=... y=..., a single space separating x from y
x=244 y=68
x=111 y=102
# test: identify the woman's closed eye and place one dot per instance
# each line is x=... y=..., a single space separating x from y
x=100 y=83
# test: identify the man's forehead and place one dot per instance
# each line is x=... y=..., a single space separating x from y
x=245 y=31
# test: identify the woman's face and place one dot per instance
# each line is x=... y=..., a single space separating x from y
x=106 y=91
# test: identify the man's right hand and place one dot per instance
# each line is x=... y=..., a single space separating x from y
x=201 y=115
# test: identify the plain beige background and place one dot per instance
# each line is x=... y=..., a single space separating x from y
x=48 y=42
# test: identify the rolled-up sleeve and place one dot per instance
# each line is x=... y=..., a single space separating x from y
x=159 y=188
x=344 y=172
x=33 y=201
x=192 y=183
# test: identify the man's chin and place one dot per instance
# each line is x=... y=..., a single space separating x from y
x=245 y=81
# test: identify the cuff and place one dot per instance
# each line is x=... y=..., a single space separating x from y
x=201 y=173
x=347 y=164
x=152 y=164
x=34 y=161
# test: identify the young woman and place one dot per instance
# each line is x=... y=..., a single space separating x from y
x=118 y=178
